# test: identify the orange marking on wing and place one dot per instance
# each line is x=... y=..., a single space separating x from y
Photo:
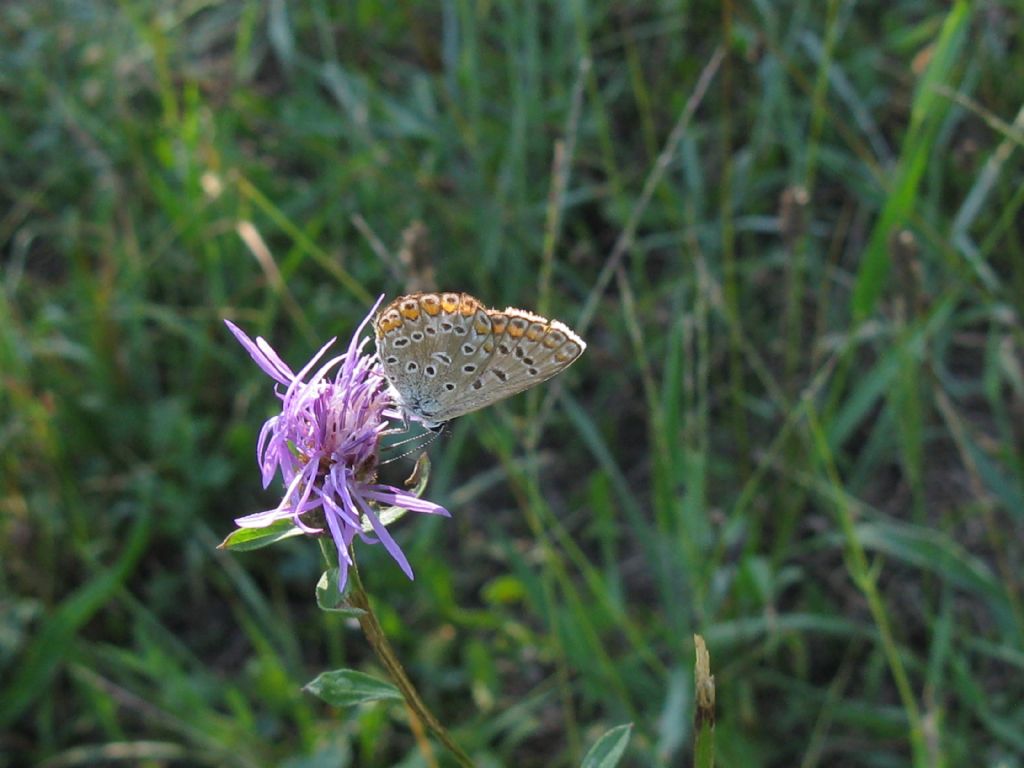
x=431 y=303
x=388 y=321
x=410 y=310
x=553 y=339
x=567 y=352
x=516 y=329
x=482 y=324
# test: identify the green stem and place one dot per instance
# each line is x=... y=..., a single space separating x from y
x=864 y=576
x=379 y=642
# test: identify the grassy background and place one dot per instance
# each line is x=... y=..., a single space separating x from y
x=797 y=429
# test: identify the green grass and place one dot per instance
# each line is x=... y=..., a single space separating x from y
x=796 y=430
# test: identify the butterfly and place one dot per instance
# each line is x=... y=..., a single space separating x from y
x=446 y=354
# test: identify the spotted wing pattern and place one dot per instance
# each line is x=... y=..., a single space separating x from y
x=445 y=354
x=528 y=349
x=429 y=345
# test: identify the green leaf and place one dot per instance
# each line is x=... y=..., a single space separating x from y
x=244 y=539
x=504 y=590
x=330 y=598
x=347 y=687
x=609 y=749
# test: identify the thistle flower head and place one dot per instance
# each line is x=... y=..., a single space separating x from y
x=325 y=445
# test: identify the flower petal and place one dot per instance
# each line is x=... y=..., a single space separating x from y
x=398 y=498
x=382 y=533
x=263 y=355
x=325 y=444
x=262 y=519
x=297 y=381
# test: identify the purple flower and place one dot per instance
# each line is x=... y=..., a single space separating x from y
x=325 y=444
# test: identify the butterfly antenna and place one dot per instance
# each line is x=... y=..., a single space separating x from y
x=424 y=439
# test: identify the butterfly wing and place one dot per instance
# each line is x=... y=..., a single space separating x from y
x=528 y=349
x=432 y=346
x=447 y=355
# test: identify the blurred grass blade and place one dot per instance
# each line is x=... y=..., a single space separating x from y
x=346 y=687
x=737 y=632
x=673 y=725
x=49 y=648
x=880 y=380
x=608 y=750
x=977 y=201
x=934 y=551
x=279 y=31
x=925 y=116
